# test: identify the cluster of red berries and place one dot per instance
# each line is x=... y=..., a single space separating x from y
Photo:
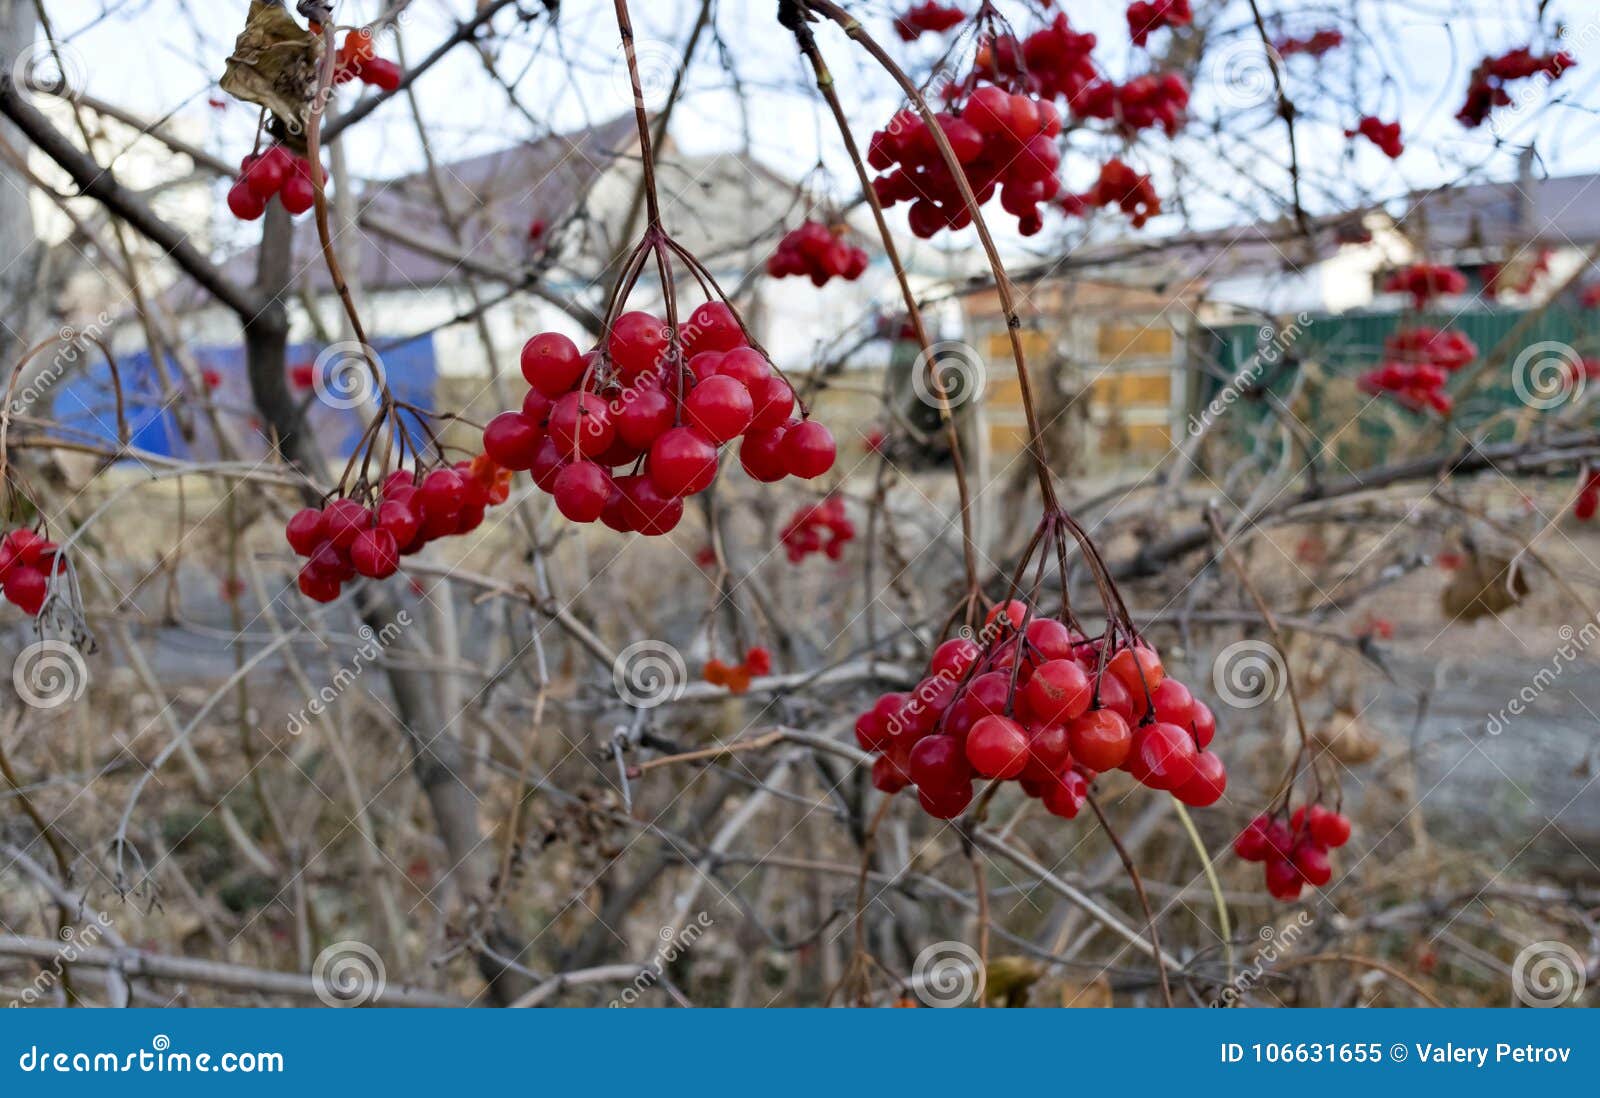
x=1120 y=186
x=1154 y=99
x=1145 y=17
x=26 y=560
x=1316 y=44
x=818 y=528
x=588 y=415
x=736 y=677
x=1059 y=61
x=1487 y=88
x=346 y=538
x=275 y=172
x=1295 y=853
x=1590 y=297
x=356 y=61
x=1035 y=701
x=1002 y=141
x=1497 y=280
x=819 y=252
x=1416 y=385
x=927 y=17
x=1426 y=281
x=1583 y=510
x=1385 y=135
x=1446 y=348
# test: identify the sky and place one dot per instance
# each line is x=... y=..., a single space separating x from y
x=1412 y=66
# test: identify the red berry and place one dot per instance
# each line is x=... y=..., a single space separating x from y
x=997 y=747
x=638 y=344
x=547 y=464
x=1204 y=724
x=343 y=519
x=26 y=587
x=1065 y=793
x=650 y=512
x=304 y=531
x=1057 y=692
x=399 y=517
x=581 y=491
x=317 y=587
x=1139 y=669
x=1100 y=739
x=641 y=416
x=375 y=553
x=244 y=203
x=1049 y=751
x=511 y=440
x=773 y=402
x=551 y=363
x=682 y=462
x=580 y=424
x=1330 y=829
x=1173 y=703
x=938 y=763
x=1251 y=843
x=1015 y=611
x=947 y=804
x=1050 y=640
x=1206 y=785
x=888 y=776
x=1283 y=880
x=761 y=455
x=298 y=194
x=808 y=449
x=711 y=327
x=442 y=492
x=720 y=407
x=1162 y=756
x=953 y=657
x=1311 y=861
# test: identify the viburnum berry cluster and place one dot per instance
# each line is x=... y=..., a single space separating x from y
x=1294 y=853
x=1446 y=348
x=27 y=560
x=1145 y=17
x=928 y=17
x=1385 y=135
x=624 y=433
x=818 y=528
x=357 y=60
x=1004 y=142
x=1487 y=88
x=1032 y=699
x=347 y=538
x=818 y=251
x=276 y=172
x=1587 y=503
x=1420 y=362
x=1153 y=99
x=736 y=677
x=1121 y=186
x=1058 y=61
x=1318 y=43
x=1426 y=281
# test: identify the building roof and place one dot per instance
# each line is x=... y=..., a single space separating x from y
x=1558 y=212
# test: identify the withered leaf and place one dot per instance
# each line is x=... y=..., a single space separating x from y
x=1484 y=584
x=274 y=63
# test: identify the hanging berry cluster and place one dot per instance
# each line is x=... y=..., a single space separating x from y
x=818 y=528
x=928 y=17
x=276 y=172
x=736 y=677
x=819 y=252
x=356 y=60
x=1145 y=17
x=1032 y=699
x=1426 y=281
x=1318 y=43
x=27 y=559
x=1120 y=186
x=1385 y=135
x=1003 y=142
x=1487 y=88
x=1294 y=853
x=347 y=538
x=625 y=433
